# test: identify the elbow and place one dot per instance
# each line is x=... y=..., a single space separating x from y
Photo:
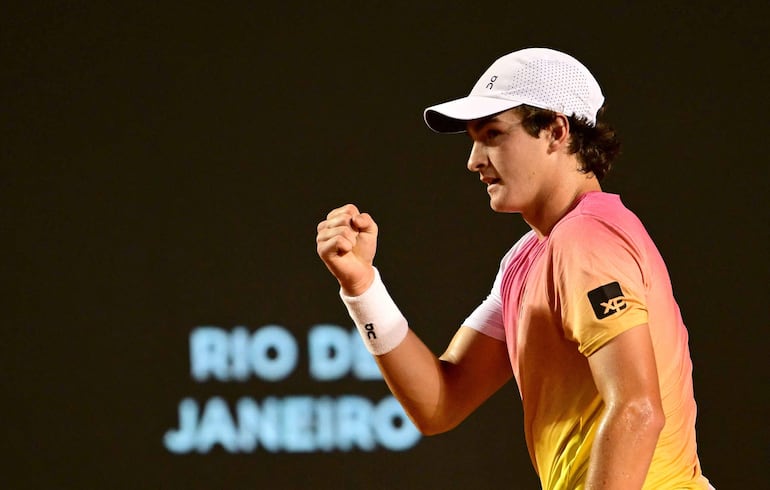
x=429 y=430
x=432 y=428
x=433 y=425
x=643 y=416
x=655 y=418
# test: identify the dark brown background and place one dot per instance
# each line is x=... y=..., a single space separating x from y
x=164 y=167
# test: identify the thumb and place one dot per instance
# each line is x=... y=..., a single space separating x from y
x=363 y=223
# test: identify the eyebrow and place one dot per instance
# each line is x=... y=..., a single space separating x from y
x=479 y=124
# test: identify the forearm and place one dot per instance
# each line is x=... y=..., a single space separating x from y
x=413 y=373
x=437 y=394
x=416 y=378
x=623 y=447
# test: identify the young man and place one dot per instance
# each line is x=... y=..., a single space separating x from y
x=581 y=311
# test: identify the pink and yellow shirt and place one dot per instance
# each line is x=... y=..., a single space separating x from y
x=558 y=300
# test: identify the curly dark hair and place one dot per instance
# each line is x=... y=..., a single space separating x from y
x=596 y=146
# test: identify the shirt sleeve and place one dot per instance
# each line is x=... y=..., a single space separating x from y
x=599 y=283
x=487 y=318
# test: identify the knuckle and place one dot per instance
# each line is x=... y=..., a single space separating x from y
x=368 y=217
x=349 y=235
x=346 y=210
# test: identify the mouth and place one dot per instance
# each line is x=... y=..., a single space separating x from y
x=490 y=181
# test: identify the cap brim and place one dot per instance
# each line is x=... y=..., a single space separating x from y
x=453 y=116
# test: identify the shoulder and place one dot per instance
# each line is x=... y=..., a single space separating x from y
x=597 y=217
x=517 y=249
x=600 y=231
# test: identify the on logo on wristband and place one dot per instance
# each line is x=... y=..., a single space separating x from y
x=370 y=331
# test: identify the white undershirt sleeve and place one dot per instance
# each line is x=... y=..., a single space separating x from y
x=487 y=318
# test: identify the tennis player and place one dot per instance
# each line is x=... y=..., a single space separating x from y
x=581 y=311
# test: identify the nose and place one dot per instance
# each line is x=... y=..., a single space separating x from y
x=478 y=158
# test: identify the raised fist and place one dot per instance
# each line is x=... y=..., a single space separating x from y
x=347 y=242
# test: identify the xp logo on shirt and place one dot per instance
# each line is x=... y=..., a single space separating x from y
x=607 y=300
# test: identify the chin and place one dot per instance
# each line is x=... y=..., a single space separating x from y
x=503 y=207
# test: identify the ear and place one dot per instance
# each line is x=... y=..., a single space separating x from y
x=558 y=133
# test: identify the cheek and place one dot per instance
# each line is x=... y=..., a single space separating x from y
x=507 y=161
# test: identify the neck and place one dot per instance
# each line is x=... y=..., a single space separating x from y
x=558 y=202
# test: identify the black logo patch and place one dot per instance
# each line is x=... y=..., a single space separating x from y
x=370 y=331
x=607 y=300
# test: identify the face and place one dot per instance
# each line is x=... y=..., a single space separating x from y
x=517 y=168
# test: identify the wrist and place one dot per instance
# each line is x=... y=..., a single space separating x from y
x=352 y=289
x=375 y=314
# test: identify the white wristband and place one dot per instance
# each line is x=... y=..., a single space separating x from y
x=378 y=319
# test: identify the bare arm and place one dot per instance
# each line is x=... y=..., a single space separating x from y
x=626 y=376
x=436 y=393
x=439 y=393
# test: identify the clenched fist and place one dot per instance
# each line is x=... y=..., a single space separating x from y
x=347 y=242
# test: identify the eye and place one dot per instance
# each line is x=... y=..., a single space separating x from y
x=492 y=133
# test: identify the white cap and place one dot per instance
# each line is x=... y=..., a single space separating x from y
x=538 y=77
